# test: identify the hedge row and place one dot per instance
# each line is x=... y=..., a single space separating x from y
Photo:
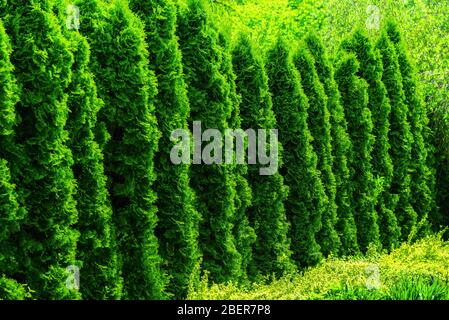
x=86 y=179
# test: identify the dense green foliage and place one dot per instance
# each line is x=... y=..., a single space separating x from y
x=95 y=247
x=211 y=103
x=271 y=251
x=129 y=118
x=98 y=98
x=422 y=181
x=371 y=70
x=320 y=128
x=177 y=229
x=307 y=199
x=47 y=239
x=400 y=137
x=341 y=145
x=243 y=231
x=11 y=214
x=360 y=127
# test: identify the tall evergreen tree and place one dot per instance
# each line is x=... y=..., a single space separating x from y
x=11 y=214
x=126 y=85
x=371 y=70
x=354 y=93
x=243 y=231
x=341 y=145
x=96 y=246
x=307 y=199
x=177 y=229
x=215 y=185
x=320 y=128
x=271 y=251
x=422 y=179
x=42 y=61
x=400 y=136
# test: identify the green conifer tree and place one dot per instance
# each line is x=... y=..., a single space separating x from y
x=42 y=62
x=119 y=62
x=214 y=184
x=400 y=136
x=341 y=145
x=177 y=229
x=422 y=178
x=320 y=128
x=11 y=214
x=96 y=246
x=244 y=233
x=354 y=94
x=271 y=251
x=307 y=199
x=371 y=70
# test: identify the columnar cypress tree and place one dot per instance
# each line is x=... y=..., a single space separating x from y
x=271 y=251
x=209 y=95
x=341 y=145
x=42 y=62
x=127 y=87
x=371 y=70
x=400 y=136
x=354 y=95
x=307 y=199
x=422 y=179
x=96 y=246
x=11 y=213
x=320 y=128
x=177 y=229
x=243 y=231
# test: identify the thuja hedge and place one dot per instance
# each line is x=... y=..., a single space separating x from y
x=243 y=231
x=83 y=182
x=96 y=245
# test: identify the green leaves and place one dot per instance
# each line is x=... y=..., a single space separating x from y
x=307 y=199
